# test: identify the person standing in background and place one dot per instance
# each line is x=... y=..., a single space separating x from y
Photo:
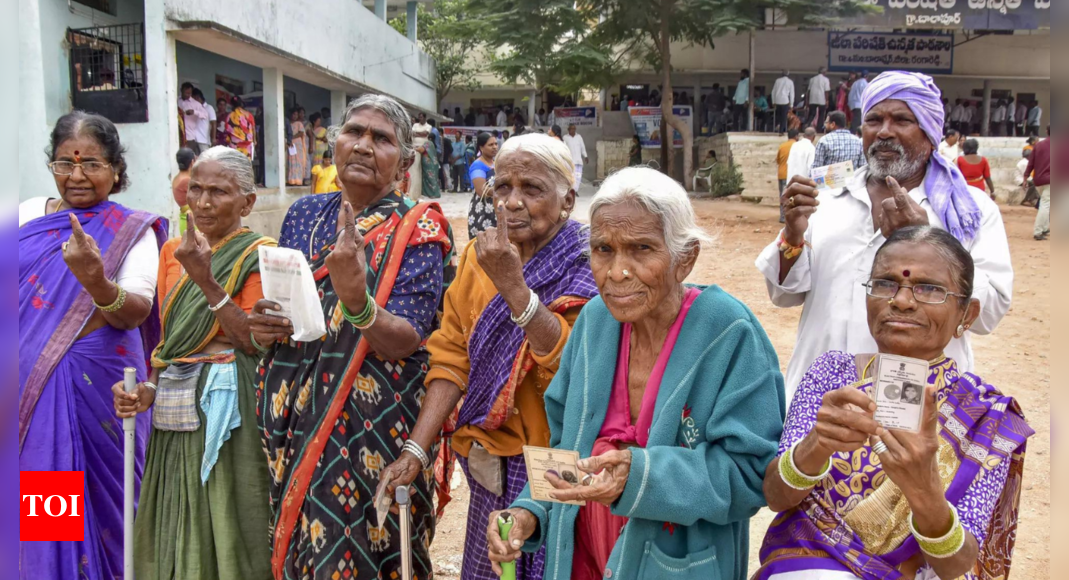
x=972 y=119
x=459 y=165
x=297 y=155
x=839 y=144
x=857 y=93
x=975 y=168
x=950 y=148
x=800 y=161
x=1039 y=167
x=1023 y=179
x=194 y=114
x=211 y=126
x=635 y=153
x=577 y=146
x=1035 y=119
x=998 y=119
x=1021 y=117
x=957 y=117
x=817 y=95
x=502 y=118
x=763 y=113
x=783 y=100
x=782 y=156
x=319 y=139
x=741 y=102
x=325 y=173
x=221 y=114
x=715 y=104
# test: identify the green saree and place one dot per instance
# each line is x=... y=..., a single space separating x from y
x=218 y=530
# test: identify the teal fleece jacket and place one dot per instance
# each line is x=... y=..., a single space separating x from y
x=691 y=492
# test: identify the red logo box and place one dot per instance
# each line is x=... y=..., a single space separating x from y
x=52 y=506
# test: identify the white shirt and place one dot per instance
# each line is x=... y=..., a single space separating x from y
x=1011 y=113
x=971 y=114
x=959 y=113
x=1019 y=177
x=783 y=91
x=800 y=161
x=950 y=152
x=999 y=115
x=481 y=120
x=137 y=274
x=502 y=119
x=577 y=147
x=819 y=86
x=197 y=123
x=826 y=280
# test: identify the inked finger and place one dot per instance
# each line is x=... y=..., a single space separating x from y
x=76 y=229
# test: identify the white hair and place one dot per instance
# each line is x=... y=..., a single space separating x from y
x=397 y=115
x=552 y=153
x=234 y=163
x=660 y=195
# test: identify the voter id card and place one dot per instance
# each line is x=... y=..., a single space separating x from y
x=898 y=390
x=833 y=176
x=563 y=464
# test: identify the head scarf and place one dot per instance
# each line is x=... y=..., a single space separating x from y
x=946 y=187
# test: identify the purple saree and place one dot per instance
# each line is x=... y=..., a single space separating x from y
x=856 y=519
x=66 y=418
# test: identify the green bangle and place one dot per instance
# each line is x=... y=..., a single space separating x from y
x=256 y=345
x=945 y=547
x=120 y=301
x=794 y=478
x=361 y=320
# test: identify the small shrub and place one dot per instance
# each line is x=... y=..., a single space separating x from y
x=726 y=180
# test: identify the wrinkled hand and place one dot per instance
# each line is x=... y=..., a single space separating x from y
x=845 y=422
x=911 y=459
x=523 y=527
x=499 y=257
x=195 y=253
x=610 y=474
x=128 y=405
x=268 y=329
x=799 y=202
x=401 y=472
x=82 y=255
x=900 y=211
x=347 y=263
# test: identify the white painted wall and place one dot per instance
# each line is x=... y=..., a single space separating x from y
x=340 y=36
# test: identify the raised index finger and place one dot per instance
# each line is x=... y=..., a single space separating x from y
x=346 y=219
x=76 y=229
x=502 y=220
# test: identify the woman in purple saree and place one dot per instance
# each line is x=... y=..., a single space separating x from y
x=87 y=273
x=856 y=500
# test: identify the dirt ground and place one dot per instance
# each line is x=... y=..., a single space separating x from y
x=1015 y=359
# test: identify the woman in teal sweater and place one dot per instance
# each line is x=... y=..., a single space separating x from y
x=673 y=393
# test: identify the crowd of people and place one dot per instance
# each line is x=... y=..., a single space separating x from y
x=541 y=332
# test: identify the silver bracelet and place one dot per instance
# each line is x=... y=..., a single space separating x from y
x=150 y=385
x=414 y=448
x=529 y=313
x=222 y=303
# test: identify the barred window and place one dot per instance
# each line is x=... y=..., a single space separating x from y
x=108 y=71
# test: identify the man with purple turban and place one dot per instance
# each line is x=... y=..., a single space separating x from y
x=824 y=254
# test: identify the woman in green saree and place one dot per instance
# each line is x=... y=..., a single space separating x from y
x=203 y=512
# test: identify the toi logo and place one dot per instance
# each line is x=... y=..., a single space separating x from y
x=53 y=506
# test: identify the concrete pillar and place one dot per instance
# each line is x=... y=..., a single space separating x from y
x=274 y=131
x=380 y=9
x=985 y=125
x=338 y=103
x=413 y=24
x=698 y=118
x=753 y=77
x=532 y=108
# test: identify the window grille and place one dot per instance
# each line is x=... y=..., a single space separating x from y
x=107 y=71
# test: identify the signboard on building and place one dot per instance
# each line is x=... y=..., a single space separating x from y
x=957 y=14
x=578 y=116
x=647 y=124
x=879 y=51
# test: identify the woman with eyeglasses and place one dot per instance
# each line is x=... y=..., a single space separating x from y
x=856 y=500
x=87 y=281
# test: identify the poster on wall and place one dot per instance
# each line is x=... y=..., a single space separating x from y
x=578 y=116
x=647 y=124
x=226 y=87
x=879 y=51
x=463 y=132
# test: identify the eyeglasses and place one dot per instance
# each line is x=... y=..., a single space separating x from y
x=923 y=293
x=88 y=167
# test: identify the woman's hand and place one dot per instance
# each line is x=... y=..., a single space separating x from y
x=129 y=405
x=609 y=478
x=845 y=422
x=911 y=459
x=500 y=258
x=401 y=472
x=267 y=329
x=347 y=263
x=82 y=256
x=523 y=527
x=195 y=253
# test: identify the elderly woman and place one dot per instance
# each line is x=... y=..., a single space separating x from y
x=335 y=411
x=423 y=174
x=87 y=277
x=857 y=500
x=519 y=290
x=190 y=523
x=674 y=395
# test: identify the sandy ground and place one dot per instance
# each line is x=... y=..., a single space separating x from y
x=1015 y=359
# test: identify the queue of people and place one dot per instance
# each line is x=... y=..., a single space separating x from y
x=540 y=332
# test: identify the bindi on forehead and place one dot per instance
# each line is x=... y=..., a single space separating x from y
x=905 y=273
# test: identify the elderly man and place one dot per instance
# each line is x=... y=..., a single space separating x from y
x=831 y=237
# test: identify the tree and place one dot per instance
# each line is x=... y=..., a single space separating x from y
x=446 y=35
x=644 y=31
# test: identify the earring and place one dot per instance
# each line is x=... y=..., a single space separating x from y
x=891 y=302
x=116 y=179
x=960 y=332
x=563 y=215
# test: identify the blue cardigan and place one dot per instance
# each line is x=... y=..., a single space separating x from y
x=692 y=491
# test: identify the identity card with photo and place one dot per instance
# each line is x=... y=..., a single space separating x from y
x=898 y=390
x=833 y=176
x=540 y=461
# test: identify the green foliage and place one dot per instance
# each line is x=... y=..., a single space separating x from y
x=725 y=180
x=448 y=35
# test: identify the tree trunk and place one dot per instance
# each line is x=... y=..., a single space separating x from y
x=668 y=120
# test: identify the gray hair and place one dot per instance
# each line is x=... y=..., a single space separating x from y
x=552 y=153
x=398 y=116
x=663 y=197
x=234 y=163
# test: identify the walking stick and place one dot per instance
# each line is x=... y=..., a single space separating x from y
x=404 y=500
x=504 y=526
x=129 y=428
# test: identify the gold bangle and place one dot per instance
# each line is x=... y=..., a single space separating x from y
x=794 y=478
x=946 y=546
x=116 y=306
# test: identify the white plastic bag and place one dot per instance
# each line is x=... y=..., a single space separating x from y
x=287 y=279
